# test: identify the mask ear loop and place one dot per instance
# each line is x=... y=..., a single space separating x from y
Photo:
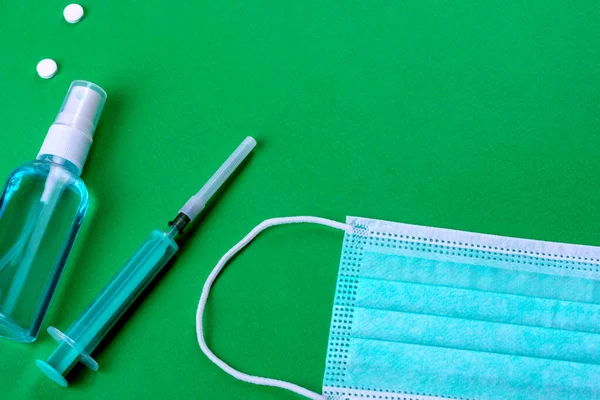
x=257 y=380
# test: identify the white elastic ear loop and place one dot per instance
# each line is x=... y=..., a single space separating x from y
x=257 y=380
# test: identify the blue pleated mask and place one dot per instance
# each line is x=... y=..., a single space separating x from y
x=425 y=313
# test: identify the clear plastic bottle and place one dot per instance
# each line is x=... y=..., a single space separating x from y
x=42 y=207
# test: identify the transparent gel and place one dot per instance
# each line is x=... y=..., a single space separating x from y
x=36 y=237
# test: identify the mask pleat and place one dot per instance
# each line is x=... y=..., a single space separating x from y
x=483 y=276
x=478 y=305
x=427 y=370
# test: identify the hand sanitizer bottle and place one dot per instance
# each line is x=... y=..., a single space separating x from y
x=42 y=207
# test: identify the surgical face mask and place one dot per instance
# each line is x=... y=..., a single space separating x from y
x=426 y=313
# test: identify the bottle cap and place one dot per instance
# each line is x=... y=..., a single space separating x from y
x=71 y=135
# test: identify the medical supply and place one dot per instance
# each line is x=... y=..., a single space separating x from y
x=425 y=313
x=73 y=13
x=41 y=209
x=47 y=68
x=82 y=337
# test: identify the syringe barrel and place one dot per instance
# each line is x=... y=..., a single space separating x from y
x=108 y=307
x=122 y=290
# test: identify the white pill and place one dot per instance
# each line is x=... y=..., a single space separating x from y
x=73 y=13
x=47 y=68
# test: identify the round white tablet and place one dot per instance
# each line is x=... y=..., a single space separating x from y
x=73 y=13
x=47 y=68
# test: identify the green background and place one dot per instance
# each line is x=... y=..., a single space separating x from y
x=473 y=115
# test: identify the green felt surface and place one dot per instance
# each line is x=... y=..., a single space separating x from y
x=474 y=115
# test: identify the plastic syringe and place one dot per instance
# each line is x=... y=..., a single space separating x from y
x=84 y=335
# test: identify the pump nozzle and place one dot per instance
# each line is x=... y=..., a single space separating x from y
x=82 y=107
x=70 y=136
